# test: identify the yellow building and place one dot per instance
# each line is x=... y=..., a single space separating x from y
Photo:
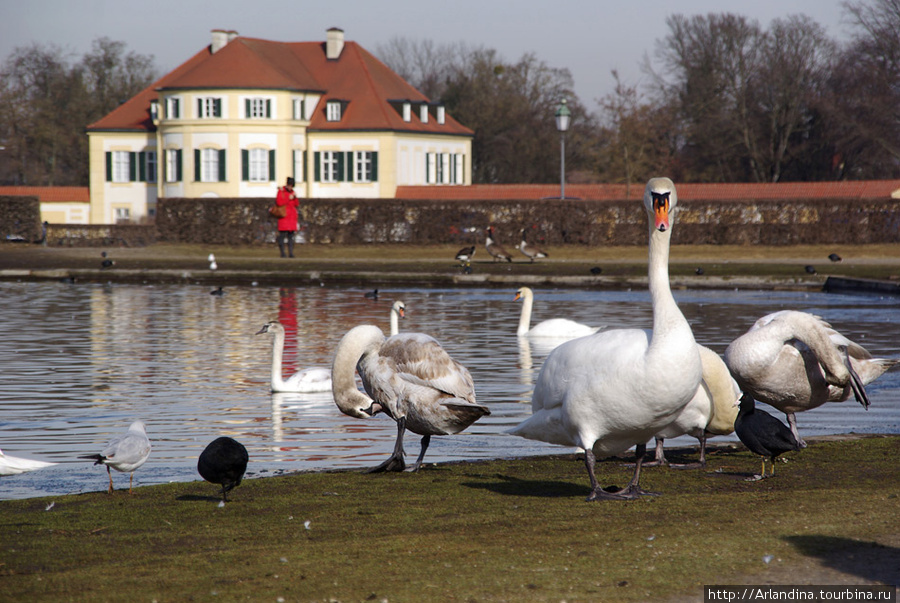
x=243 y=114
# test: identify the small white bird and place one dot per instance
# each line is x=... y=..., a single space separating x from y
x=124 y=453
x=212 y=262
x=14 y=465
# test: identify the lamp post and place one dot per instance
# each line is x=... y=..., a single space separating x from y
x=562 y=124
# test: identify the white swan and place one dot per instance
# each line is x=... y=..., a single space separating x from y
x=710 y=412
x=411 y=378
x=561 y=328
x=125 y=453
x=398 y=311
x=618 y=388
x=14 y=465
x=795 y=361
x=309 y=380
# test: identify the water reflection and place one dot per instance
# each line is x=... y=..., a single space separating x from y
x=80 y=362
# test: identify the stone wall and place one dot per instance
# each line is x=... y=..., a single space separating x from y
x=20 y=218
x=552 y=222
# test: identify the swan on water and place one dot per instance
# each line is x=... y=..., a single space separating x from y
x=561 y=328
x=308 y=380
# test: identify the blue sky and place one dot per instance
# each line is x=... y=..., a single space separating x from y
x=589 y=37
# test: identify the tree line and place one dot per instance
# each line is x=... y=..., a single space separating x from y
x=725 y=99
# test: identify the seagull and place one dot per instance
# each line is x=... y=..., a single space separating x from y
x=223 y=462
x=124 y=453
x=212 y=262
x=14 y=465
x=762 y=433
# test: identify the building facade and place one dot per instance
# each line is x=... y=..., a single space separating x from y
x=243 y=114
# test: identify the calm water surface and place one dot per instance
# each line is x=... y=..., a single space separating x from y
x=80 y=362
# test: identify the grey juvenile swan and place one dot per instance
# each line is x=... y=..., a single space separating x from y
x=411 y=378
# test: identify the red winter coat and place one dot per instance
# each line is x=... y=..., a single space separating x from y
x=288 y=198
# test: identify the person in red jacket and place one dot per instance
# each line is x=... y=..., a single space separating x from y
x=287 y=225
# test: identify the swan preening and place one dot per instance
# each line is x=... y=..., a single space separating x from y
x=618 y=388
x=795 y=361
x=710 y=412
x=309 y=380
x=412 y=379
x=14 y=465
x=124 y=453
x=561 y=328
x=762 y=433
x=223 y=462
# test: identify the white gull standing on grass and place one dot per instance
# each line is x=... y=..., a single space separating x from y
x=124 y=453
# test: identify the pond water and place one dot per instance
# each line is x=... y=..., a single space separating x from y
x=81 y=361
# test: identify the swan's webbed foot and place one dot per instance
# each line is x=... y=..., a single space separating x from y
x=394 y=463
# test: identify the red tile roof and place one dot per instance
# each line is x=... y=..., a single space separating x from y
x=50 y=194
x=860 y=189
x=357 y=77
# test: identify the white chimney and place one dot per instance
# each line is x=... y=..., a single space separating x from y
x=219 y=40
x=334 y=43
x=232 y=34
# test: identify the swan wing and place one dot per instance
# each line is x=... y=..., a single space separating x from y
x=561 y=328
x=419 y=360
x=309 y=380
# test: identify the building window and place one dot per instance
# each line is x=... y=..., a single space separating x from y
x=329 y=163
x=173 y=108
x=173 y=165
x=258 y=165
x=299 y=166
x=441 y=114
x=423 y=113
x=209 y=107
x=407 y=112
x=333 y=111
x=298 y=109
x=209 y=165
x=258 y=108
x=121 y=165
x=122 y=214
x=456 y=169
x=147 y=164
x=364 y=166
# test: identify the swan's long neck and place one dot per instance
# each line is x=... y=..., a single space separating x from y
x=277 y=358
x=669 y=324
x=525 y=316
x=395 y=321
x=348 y=398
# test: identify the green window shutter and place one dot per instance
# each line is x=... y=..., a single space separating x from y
x=178 y=165
x=340 y=166
x=245 y=165
x=200 y=108
x=108 y=166
x=132 y=167
x=222 y=165
x=217 y=107
x=374 y=174
x=247 y=108
x=269 y=110
x=427 y=168
x=305 y=173
x=294 y=165
x=196 y=165
x=271 y=164
x=142 y=166
x=317 y=167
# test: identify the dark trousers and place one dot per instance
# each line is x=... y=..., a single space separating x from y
x=286 y=235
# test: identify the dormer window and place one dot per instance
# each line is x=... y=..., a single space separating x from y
x=333 y=110
x=441 y=114
x=154 y=111
x=423 y=113
x=407 y=112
